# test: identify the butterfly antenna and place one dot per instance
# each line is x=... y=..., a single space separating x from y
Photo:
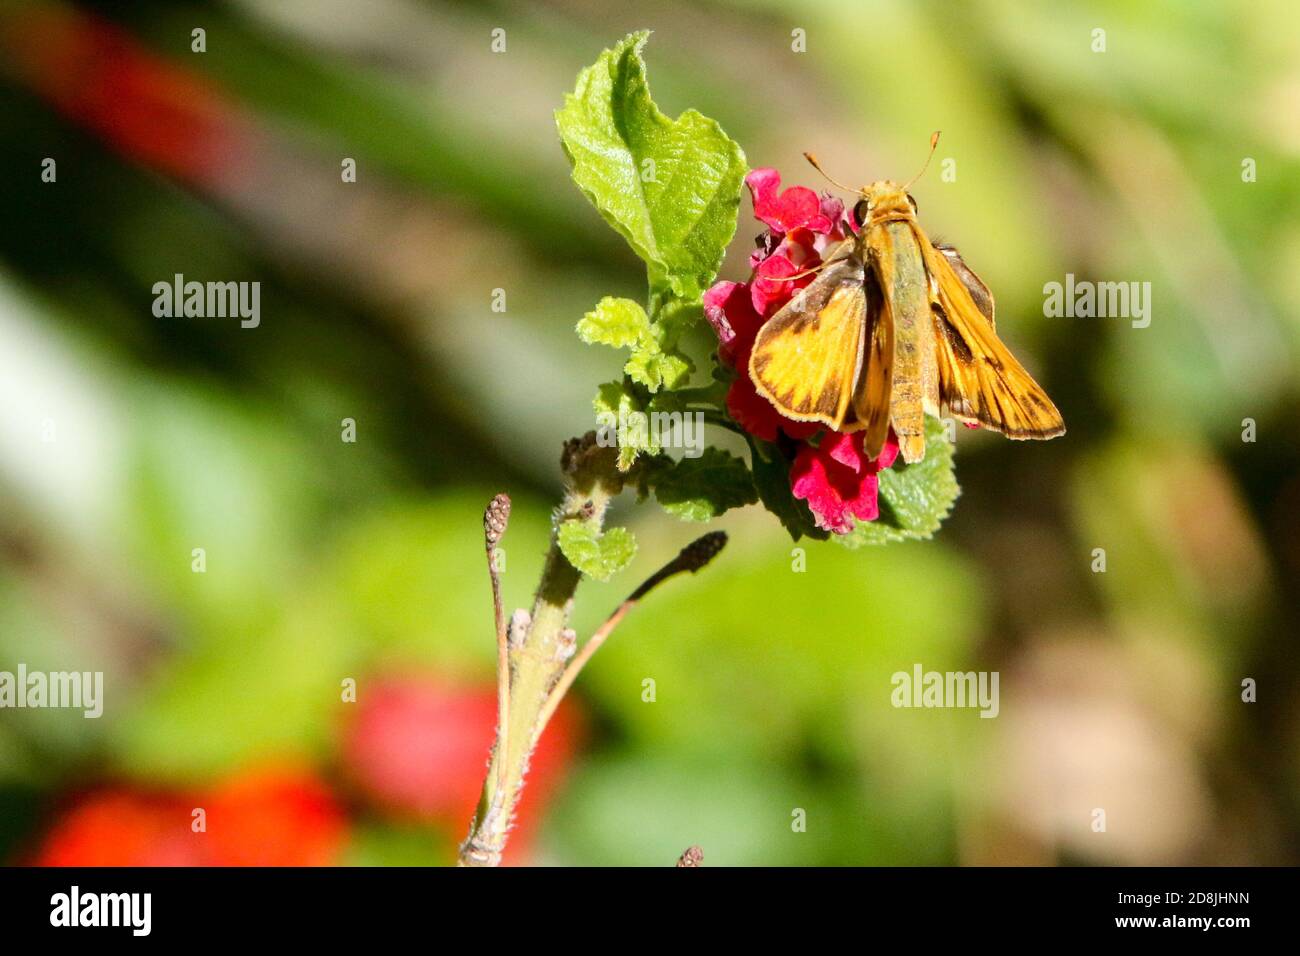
x=934 y=142
x=834 y=182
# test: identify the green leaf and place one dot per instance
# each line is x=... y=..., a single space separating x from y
x=596 y=555
x=621 y=323
x=772 y=482
x=914 y=499
x=672 y=320
x=671 y=188
x=655 y=369
x=615 y=322
x=697 y=489
x=618 y=406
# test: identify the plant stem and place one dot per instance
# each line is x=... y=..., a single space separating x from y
x=693 y=557
x=579 y=662
x=538 y=659
x=536 y=672
x=495 y=521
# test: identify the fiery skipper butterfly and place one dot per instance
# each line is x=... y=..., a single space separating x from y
x=895 y=326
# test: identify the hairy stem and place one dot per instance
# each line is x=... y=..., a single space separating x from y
x=693 y=557
x=538 y=656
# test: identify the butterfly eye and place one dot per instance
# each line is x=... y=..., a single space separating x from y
x=913 y=202
x=860 y=211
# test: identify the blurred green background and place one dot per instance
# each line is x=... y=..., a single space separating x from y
x=127 y=441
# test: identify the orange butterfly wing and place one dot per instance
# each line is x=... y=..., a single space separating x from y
x=979 y=379
x=806 y=359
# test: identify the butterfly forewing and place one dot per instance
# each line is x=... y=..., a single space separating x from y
x=807 y=358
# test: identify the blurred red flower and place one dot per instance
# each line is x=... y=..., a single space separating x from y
x=122 y=828
x=418 y=746
x=274 y=816
x=162 y=115
x=267 y=816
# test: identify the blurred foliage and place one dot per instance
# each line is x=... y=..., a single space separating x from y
x=329 y=560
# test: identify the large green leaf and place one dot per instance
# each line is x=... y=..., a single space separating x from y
x=697 y=489
x=671 y=188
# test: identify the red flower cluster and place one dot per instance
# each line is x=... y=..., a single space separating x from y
x=834 y=476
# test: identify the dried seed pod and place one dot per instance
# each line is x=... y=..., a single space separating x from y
x=693 y=856
x=495 y=519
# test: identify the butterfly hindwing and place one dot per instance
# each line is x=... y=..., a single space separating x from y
x=871 y=397
x=979 y=292
x=979 y=379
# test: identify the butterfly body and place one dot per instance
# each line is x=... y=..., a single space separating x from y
x=892 y=328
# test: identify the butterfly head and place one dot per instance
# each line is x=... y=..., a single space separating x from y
x=883 y=201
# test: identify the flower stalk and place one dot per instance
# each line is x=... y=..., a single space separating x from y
x=541 y=646
x=539 y=666
x=495 y=521
x=693 y=557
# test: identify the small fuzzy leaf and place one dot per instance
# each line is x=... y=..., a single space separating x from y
x=655 y=369
x=615 y=322
x=619 y=408
x=673 y=319
x=596 y=555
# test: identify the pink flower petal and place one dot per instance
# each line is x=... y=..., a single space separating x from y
x=798 y=207
x=767 y=291
x=838 y=481
x=729 y=308
x=763 y=184
x=845 y=449
x=715 y=310
x=832 y=207
x=889 y=453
